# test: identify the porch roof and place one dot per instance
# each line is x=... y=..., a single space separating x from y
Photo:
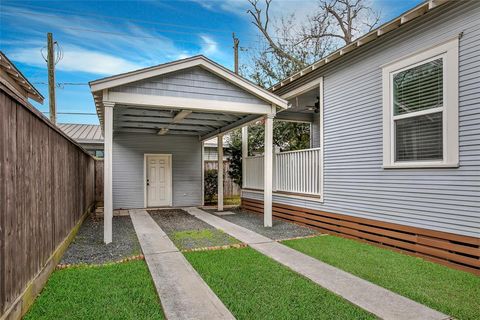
x=193 y=96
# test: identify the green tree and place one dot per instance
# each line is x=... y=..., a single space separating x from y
x=287 y=136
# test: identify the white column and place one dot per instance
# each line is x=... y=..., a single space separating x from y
x=268 y=172
x=220 y=173
x=107 y=167
x=244 y=154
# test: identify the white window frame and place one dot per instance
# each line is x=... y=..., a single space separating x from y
x=448 y=51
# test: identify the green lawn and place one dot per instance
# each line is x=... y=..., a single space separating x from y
x=190 y=239
x=118 y=291
x=450 y=291
x=253 y=286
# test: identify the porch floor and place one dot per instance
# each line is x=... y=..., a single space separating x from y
x=370 y=297
x=183 y=293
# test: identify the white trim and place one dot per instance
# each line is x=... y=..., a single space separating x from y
x=244 y=153
x=220 y=172
x=169 y=156
x=136 y=99
x=320 y=114
x=203 y=172
x=183 y=64
x=268 y=171
x=302 y=89
x=313 y=198
x=107 y=175
x=448 y=51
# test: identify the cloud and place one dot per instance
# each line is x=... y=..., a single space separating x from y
x=98 y=46
x=78 y=60
x=209 y=47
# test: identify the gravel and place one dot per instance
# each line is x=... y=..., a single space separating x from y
x=189 y=232
x=88 y=246
x=280 y=229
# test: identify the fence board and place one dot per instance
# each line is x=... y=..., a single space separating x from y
x=230 y=188
x=47 y=182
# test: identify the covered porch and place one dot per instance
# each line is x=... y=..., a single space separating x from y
x=155 y=121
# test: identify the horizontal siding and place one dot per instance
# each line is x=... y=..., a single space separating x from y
x=191 y=83
x=355 y=183
x=128 y=168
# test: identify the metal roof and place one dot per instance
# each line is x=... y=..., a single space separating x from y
x=17 y=79
x=83 y=133
x=394 y=24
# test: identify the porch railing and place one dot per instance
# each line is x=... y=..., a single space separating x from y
x=294 y=172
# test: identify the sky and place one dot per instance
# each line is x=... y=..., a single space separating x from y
x=103 y=38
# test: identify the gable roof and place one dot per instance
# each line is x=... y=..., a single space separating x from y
x=199 y=60
x=17 y=80
x=385 y=28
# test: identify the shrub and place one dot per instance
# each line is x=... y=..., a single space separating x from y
x=210 y=185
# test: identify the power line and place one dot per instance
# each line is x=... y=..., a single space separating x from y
x=224 y=32
x=72 y=113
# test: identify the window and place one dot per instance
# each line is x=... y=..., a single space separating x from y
x=420 y=108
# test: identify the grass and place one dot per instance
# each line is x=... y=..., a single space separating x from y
x=450 y=291
x=201 y=238
x=116 y=291
x=253 y=286
x=228 y=201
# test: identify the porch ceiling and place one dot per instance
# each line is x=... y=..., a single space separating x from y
x=173 y=121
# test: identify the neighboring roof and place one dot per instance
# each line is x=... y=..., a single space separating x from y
x=83 y=133
x=212 y=143
x=385 y=28
x=17 y=79
x=99 y=85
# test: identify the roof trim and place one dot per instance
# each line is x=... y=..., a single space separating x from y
x=199 y=60
x=19 y=79
x=385 y=28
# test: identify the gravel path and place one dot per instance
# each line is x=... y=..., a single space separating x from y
x=279 y=231
x=188 y=232
x=88 y=246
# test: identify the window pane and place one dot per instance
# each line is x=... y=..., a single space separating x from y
x=419 y=138
x=418 y=88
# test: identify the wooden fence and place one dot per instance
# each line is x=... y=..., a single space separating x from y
x=99 y=181
x=47 y=183
x=230 y=188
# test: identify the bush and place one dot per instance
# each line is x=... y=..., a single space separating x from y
x=210 y=185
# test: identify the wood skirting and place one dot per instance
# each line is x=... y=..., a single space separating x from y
x=453 y=250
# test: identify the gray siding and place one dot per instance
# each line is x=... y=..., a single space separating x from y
x=355 y=183
x=190 y=83
x=128 y=157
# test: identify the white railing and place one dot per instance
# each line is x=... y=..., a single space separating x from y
x=254 y=175
x=294 y=172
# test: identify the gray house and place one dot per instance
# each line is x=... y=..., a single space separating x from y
x=395 y=156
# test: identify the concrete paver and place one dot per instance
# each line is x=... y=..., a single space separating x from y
x=182 y=292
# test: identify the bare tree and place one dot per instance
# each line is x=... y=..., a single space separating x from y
x=287 y=49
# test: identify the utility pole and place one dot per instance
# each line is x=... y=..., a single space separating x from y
x=236 y=42
x=51 y=78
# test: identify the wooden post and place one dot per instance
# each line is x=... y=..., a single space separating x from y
x=51 y=78
x=268 y=171
x=236 y=42
x=220 y=173
x=107 y=167
x=244 y=154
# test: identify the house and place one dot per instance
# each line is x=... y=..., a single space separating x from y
x=15 y=81
x=154 y=122
x=89 y=136
x=398 y=132
x=394 y=157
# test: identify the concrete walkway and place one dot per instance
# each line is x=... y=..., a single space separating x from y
x=370 y=297
x=182 y=292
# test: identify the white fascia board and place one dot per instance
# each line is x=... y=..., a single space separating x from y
x=187 y=103
x=232 y=126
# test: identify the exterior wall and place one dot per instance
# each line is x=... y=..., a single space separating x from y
x=355 y=183
x=128 y=168
x=194 y=83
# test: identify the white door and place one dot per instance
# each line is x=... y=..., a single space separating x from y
x=158 y=180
